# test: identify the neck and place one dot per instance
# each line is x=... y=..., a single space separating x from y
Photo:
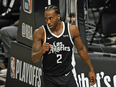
x=59 y=28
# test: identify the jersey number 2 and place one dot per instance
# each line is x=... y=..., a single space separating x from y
x=59 y=56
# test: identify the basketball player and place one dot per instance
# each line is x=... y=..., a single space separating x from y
x=53 y=43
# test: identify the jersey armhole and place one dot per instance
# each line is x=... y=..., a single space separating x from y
x=45 y=34
x=70 y=33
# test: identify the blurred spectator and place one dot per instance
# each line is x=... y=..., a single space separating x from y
x=4 y=4
x=8 y=34
x=11 y=14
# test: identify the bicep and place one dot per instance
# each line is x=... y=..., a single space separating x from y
x=37 y=41
x=78 y=43
x=76 y=38
x=80 y=48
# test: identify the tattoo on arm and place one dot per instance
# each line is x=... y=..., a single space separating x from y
x=36 y=46
x=37 y=41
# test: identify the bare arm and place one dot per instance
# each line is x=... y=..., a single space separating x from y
x=37 y=45
x=39 y=48
x=82 y=50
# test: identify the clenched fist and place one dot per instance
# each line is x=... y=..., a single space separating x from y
x=45 y=47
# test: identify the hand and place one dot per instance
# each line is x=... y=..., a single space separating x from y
x=92 y=78
x=45 y=47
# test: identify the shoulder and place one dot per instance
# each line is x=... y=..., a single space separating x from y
x=38 y=33
x=40 y=29
x=74 y=31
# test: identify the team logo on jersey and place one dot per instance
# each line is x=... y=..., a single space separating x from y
x=56 y=47
x=12 y=67
x=27 y=6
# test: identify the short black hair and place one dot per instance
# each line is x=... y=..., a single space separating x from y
x=72 y=14
x=53 y=7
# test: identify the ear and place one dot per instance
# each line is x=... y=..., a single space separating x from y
x=58 y=16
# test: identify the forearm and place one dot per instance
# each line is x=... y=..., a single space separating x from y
x=36 y=56
x=85 y=57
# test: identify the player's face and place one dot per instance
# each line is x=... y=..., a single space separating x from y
x=52 y=19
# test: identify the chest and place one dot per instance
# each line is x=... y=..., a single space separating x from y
x=59 y=43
